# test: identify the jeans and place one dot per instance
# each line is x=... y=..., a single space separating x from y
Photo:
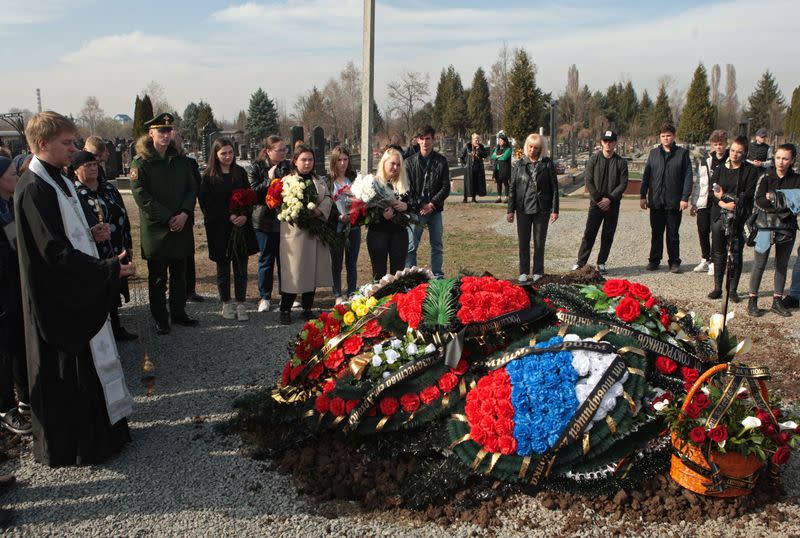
x=435 y=226
x=349 y=253
x=269 y=245
x=239 y=279
x=535 y=225
x=609 y=221
x=669 y=220
x=794 y=290
x=382 y=244
x=704 y=232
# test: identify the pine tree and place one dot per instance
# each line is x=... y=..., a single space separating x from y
x=204 y=115
x=138 y=122
x=628 y=105
x=189 y=126
x=791 y=126
x=697 y=119
x=524 y=102
x=662 y=113
x=479 y=108
x=645 y=114
x=765 y=100
x=455 y=115
x=262 y=117
x=441 y=100
x=147 y=110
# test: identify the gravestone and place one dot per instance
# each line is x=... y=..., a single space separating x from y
x=296 y=134
x=114 y=162
x=207 y=137
x=243 y=153
x=318 y=145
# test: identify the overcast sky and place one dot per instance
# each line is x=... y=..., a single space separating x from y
x=222 y=51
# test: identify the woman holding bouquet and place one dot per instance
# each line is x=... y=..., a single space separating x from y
x=271 y=164
x=340 y=179
x=386 y=238
x=226 y=200
x=305 y=259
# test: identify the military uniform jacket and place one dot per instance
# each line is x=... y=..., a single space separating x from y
x=163 y=187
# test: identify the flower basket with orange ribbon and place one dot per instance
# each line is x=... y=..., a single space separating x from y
x=726 y=430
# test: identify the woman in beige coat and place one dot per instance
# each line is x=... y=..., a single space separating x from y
x=305 y=260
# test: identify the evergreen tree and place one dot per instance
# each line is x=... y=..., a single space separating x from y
x=455 y=115
x=138 y=122
x=147 y=111
x=423 y=116
x=645 y=114
x=524 y=100
x=262 y=117
x=189 y=126
x=610 y=106
x=479 y=108
x=662 y=113
x=204 y=115
x=628 y=106
x=791 y=126
x=697 y=119
x=765 y=100
x=441 y=100
x=378 y=123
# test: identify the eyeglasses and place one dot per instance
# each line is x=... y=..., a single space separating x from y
x=284 y=149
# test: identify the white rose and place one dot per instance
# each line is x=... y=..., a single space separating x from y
x=411 y=349
x=391 y=356
x=661 y=405
x=430 y=348
x=311 y=206
x=376 y=361
x=751 y=422
x=386 y=374
x=395 y=343
x=377 y=349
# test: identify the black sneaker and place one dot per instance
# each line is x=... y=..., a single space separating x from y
x=752 y=307
x=675 y=268
x=13 y=421
x=790 y=301
x=195 y=298
x=778 y=308
x=715 y=294
x=286 y=318
x=121 y=334
x=652 y=266
x=734 y=297
x=6 y=518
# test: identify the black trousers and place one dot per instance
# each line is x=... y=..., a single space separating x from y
x=720 y=243
x=783 y=252
x=596 y=218
x=13 y=375
x=239 y=279
x=157 y=288
x=704 y=232
x=382 y=244
x=532 y=225
x=661 y=220
x=306 y=300
x=191 y=273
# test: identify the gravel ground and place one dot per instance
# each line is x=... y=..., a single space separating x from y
x=180 y=477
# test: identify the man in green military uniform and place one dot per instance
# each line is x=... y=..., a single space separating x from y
x=164 y=188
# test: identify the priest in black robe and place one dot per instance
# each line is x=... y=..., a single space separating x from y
x=79 y=400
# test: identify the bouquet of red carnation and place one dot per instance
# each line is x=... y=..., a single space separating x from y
x=274 y=194
x=484 y=298
x=240 y=204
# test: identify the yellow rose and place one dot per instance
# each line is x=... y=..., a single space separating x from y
x=361 y=311
x=355 y=305
x=349 y=318
x=372 y=302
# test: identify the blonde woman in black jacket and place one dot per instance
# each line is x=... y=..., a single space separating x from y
x=533 y=202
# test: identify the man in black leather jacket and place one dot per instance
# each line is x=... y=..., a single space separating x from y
x=429 y=180
x=666 y=187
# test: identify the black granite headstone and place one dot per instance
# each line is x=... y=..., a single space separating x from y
x=318 y=145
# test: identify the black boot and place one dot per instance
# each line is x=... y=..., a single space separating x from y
x=778 y=308
x=120 y=333
x=716 y=293
x=752 y=307
x=736 y=272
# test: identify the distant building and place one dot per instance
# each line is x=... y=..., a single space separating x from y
x=123 y=118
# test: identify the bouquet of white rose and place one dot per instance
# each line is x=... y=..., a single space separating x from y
x=376 y=197
x=297 y=208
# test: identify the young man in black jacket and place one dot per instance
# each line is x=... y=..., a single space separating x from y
x=666 y=187
x=429 y=182
x=606 y=178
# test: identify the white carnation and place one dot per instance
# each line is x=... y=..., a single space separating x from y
x=377 y=349
x=391 y=356
x=411 y=348
x=376 y=361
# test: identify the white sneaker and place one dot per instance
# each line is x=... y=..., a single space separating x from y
x=296 y=305
x=339 y=299
x=701 y=267
x=601 y=268
x=228 y=310
x=241 y=312
x=263 y=305
x=523 y=277
x=536 y=277
x=711 y=269
x=575 y=267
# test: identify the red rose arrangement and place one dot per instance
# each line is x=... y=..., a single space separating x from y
x=389 y=405
x=630 y=302
x=409 y=305
x=743 y=428
x=485 y=298
x=274 y=197
x=240 y=204
x=490 y=413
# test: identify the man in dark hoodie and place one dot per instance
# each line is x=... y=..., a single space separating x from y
x=666 y=187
